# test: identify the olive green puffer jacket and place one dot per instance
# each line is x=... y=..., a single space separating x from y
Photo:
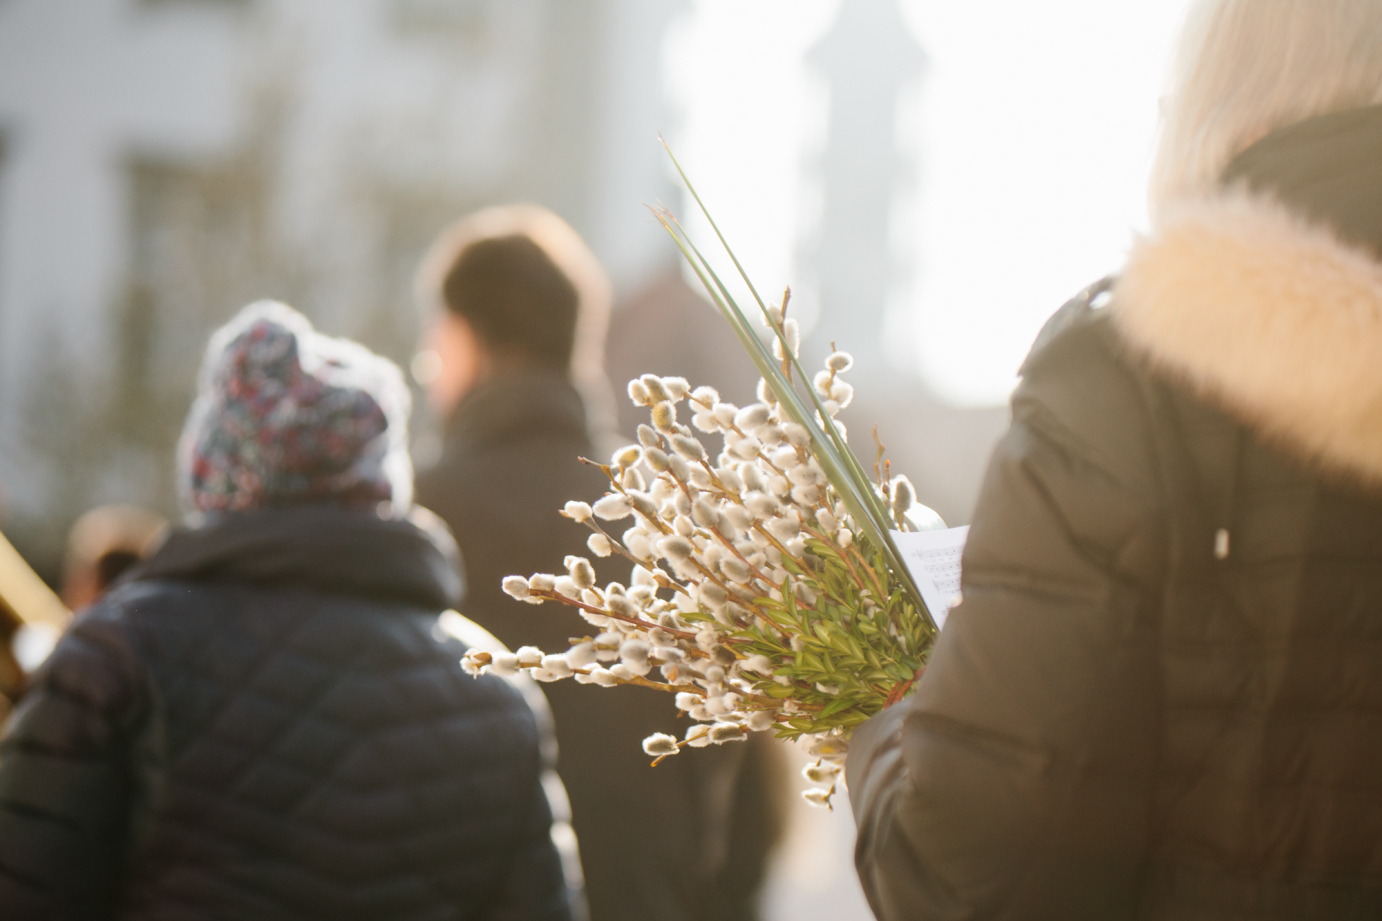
x=1161 y=697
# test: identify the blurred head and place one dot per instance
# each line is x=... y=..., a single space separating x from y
x=1244 y=68
x=104 y=543
x=287 y=416
x=511 y=287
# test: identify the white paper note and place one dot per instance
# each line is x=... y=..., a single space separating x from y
x=933 y=559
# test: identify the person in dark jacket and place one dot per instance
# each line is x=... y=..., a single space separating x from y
x=1161 y=697
x=518 y=306
x=263 y=721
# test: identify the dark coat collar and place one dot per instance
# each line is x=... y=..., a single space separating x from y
x=320 y=548
x=1326 y=169
x=518 y=405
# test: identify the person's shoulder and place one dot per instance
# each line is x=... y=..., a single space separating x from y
x=1080 y=386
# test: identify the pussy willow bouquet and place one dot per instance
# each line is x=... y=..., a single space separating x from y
x=765 y=590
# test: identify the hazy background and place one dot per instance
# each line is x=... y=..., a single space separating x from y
x=932 y=178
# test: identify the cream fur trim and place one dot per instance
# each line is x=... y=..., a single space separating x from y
x=1271 y=317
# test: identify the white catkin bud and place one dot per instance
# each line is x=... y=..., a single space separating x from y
x=724 y=413
x=797 y=435
x=844 y=537
x=761 y=720
x=806 y=496
x=684 y=526
x=839 y=362
x=529 y=656
x=765 y=393
x=604 y=677
x=567 y=587
x=708 y=396
x=656 y=392
x=801 y=475
x=676 y=388
x=753 y=416
x=622 y=672
x=746 y=448
x=643 y=504
x=825 y=772
x=779 y=485
x=638 y=393
x=771 y=435
x=664 y=417
x=903 y=495
x=752 y=476
x=721 y=733
x=831 y=408
x=704 y=514
x=822 y=382
x=599 y=545
x=657 y=459
x=760 y=664
x=620 y=605
x=711 y=555
x=784 y=458
x=792 y=330
x=698 y=736
x=504 y=663
x=516 y=587
x=557 y=665
x=689 y=448
x=542 y=582
x=627 y=456
x=660 y=745
x=642 y=577
x=677 y=467
x=577 y=511
x=824 y=746
x=632 y=479
x=638 y=544
x=582 y=655
x=778 y=351
x=613 y=507
x=761 y=504
x=715 y=706
x=729 y=479
x=826 y=521
x=706 y=422
x=686 y=701
x=647 y=437
x=816 y=797
x=634 y=652
x=475 y=662
x=712 y=595
x=737 y=515
x=595 y=620
x=581 y=572
x=842 y=393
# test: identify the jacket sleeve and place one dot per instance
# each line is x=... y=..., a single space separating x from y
x=64 y=785
x=536 y=887
x=1015 y=782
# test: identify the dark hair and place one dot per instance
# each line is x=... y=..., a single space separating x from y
x=516 y=297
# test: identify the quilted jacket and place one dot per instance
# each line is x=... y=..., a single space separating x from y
x=1161 y=697
x=265 y=723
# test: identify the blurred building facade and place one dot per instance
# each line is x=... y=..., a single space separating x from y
x=166 y=161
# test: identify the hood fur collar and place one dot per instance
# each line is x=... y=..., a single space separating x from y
x=1271 y=317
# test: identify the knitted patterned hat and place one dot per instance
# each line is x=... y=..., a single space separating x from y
x=286 y=416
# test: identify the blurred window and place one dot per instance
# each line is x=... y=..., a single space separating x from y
x=459 y=19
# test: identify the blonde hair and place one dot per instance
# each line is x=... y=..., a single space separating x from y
x=1244 y=68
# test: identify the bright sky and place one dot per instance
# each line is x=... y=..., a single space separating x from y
x=1030 y=137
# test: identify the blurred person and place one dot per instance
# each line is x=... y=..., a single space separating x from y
x=102 y=545
x=1162 y=694
x=518 y=308
x=261 y=721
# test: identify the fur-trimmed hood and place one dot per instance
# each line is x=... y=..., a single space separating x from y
x=1267 y=296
